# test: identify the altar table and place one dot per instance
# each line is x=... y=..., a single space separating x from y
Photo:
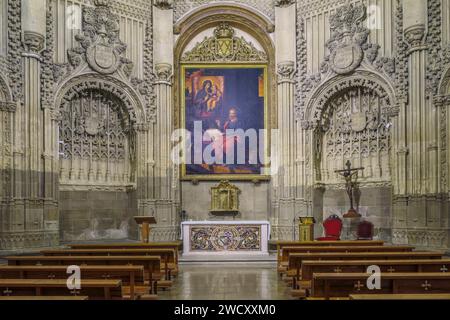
x=225 y=237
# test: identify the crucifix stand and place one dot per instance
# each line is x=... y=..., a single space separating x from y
x=351 y=177
x=144 y=222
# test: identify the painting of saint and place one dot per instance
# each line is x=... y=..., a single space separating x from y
x=228 y=105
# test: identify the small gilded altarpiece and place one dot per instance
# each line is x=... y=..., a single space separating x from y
x=225 y=198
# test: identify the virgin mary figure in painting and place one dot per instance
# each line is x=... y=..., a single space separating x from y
x=207 y=99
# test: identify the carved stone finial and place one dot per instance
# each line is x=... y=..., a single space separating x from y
x=33 y=41
x=284 y=3
x=163 y=4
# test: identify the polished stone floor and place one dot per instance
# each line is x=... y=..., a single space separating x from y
x=227 y=281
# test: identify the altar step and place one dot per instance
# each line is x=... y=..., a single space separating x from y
x=196 y=258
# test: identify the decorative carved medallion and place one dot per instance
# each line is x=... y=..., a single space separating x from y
x=346 y=58
x=359 y=121
x=224 y=46
x=100 y=45
x=348 y=35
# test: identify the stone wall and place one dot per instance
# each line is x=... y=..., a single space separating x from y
x=97 y=215
x=254 y=203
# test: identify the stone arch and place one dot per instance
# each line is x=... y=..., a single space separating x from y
x=238 y=16
x=336 y=126
x=116 y=87
x=318 y=100
x=104 y=130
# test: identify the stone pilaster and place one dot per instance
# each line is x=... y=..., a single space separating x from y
x=285 y=179
x=32 y=219
x=165 y=196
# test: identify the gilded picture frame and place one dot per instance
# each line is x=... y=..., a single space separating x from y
x=220 y=72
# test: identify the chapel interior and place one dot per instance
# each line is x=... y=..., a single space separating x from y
x=209 y=149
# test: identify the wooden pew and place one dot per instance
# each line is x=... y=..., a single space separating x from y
x=429 y=296
x=132 y=277
x=327 y=285
x=312 y=249
x=296 y=259
x=43 y=298
x=308 y=268
x=175 y=245
x=151 y=264
x=282 y=244
x=167 y=255
x=94 y=289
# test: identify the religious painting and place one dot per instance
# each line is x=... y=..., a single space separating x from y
x=224 y=114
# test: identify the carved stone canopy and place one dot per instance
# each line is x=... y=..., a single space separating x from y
x=224 y=46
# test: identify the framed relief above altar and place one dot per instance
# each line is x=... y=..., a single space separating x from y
x=224 y=114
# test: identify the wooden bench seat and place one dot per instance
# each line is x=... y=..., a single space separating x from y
x=175 y=245
x=281 y=244
x=45 y=298
x=151 y=264
x=94 y=289
x=308 y=268
x=284 y=262
x=167 y=255
x=326 y=285
x=429 y=296
x=296 y=259
x=132 y=277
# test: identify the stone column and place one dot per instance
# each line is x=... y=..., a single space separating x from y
x=34 y=207
x=411 y=205
x=165 y=202
x=285 y=180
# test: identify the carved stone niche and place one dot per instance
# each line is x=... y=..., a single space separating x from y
x=225 y=199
